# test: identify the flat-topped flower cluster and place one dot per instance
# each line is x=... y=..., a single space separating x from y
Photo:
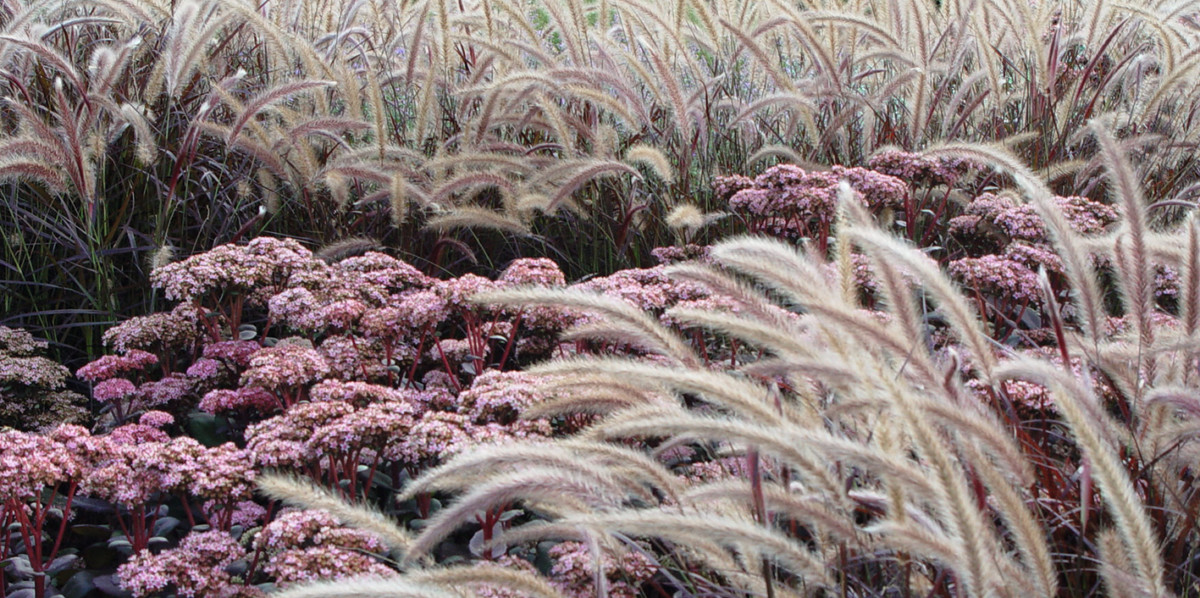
x=33 y=393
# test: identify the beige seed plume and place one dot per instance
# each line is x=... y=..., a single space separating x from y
x=654 y=159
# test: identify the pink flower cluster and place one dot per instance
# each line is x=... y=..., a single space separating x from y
x=114 y=379
x=32 y=395
x=918 y=169
x=15 y=341
x=680 y=253
x=996 y=274
x=438 y=435
x=245 y=399
x=31 y=462
x=285 y=366
x=197 y=567
x=1166 y=282
x=533 y=271
x=790 y=202
x=352 y=423
x=1021 y=221
x=574 y=571
x=1034 y=256
x=174 y=388
x=649 y=289
x=282 y=441
x=373 y=312
x=263 y=262
x=310 y=545
x=499 y=397
x=385 y=272
x=111 y=366
x=161 y=332
x=31 y=371
x=135 y=462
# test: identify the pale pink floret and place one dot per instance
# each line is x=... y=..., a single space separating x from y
x=19 y=342
x=135 y=434
x=647 y=289
x=455 y=350
x=177 y=463
x=1034 y=256
x=283 y=440
x=124 y=467
x=494 y=433
x=359 y=394
x=74 y=438
x=373 y=426
x=505 y=561
x=340 y=315
x=385 y=271
x=458 y=291
x=1166 y=282
x=351 y=357
x=386 y=323
x=223 y=473
x=681 y=253
x=292 y=528
x=433 y=438
x=787 y=200
x=439 y=380
x=323 y=562
x=1022 y=222
x=420 y=309
x=295 y=307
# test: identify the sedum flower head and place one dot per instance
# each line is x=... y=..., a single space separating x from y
x=574 y=571
x=499 y=397
x=19 y=342
x=997 y=274
x=918 y=169
x=31 y=462
x=285 y=366
x=158 y=332
x=283 y=440
x=111 y=366
x=264 y=261
x=533 y=271
x=196 y=568
x=647 y=288
x=244 y=399
x=311 y=545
